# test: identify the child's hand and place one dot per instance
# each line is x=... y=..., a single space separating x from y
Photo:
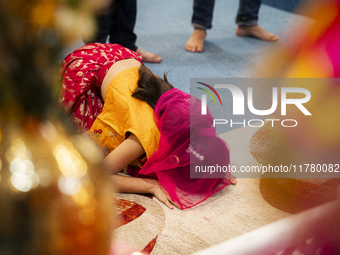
x=161 y=194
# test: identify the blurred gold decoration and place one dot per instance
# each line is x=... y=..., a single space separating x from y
x=54 y=194
x=55 y=198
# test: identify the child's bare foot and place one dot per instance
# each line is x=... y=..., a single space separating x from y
x=257 y=32
x=196 y=41
x=149 y=57
x=233 y=181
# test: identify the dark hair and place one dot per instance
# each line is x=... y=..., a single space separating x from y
x=150 y=87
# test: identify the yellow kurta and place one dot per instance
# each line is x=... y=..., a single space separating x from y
x=124 y=114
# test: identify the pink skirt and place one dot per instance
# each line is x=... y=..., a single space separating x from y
x=82 y=72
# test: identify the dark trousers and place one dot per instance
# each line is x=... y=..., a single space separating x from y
x=203 y=13
x=117 y=23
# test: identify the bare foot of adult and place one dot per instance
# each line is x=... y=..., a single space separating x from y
x=149 y=57
x=196 y=41
x=257 y=32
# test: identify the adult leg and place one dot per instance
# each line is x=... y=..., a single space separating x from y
x=102 y=26
x=247 y=21
x=122 y=25
x=201 y=21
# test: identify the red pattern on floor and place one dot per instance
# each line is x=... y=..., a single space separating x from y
x=128 y=211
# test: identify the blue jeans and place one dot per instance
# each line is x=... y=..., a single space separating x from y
x=203 y=13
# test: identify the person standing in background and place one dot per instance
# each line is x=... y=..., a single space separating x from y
x=247 y=18
x=117 y=22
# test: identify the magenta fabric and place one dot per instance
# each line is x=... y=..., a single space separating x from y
x=177 y=115
x=82 y=72
x=331 y=41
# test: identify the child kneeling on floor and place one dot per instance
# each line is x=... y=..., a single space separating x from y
x=143 y=122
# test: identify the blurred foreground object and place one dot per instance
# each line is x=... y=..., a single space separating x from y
x=313 y=53
x=54 y=193
x=315 y=231
x=55 y=198
x=311 y=49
